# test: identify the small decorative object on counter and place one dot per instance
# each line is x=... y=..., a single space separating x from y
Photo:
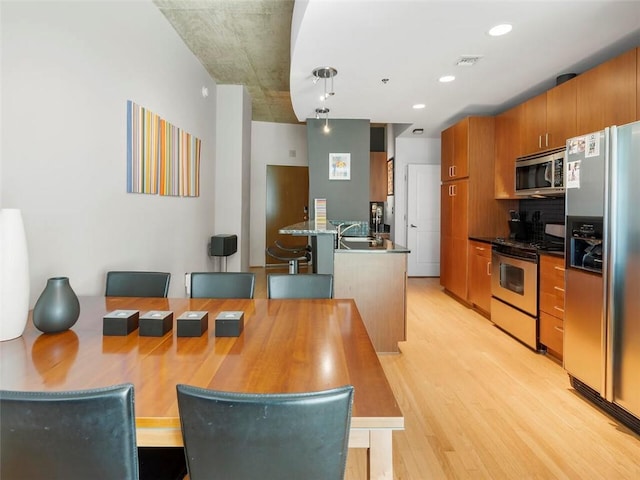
x=229 y=324
x=193 y=324
x=155 y=323
x=58 y=307
x=14 y=275
x=120 y=322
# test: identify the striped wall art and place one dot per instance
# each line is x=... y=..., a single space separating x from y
x=161 y=158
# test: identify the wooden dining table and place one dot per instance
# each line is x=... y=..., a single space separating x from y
x=286 y=346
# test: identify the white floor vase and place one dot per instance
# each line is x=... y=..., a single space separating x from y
x=14 y=275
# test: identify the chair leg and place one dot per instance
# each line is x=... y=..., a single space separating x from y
x=293 y=266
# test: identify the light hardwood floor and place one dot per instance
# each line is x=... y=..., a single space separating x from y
x=478 y=404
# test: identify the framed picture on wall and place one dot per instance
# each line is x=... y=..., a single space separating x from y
x=390 y=176
x=339 y=166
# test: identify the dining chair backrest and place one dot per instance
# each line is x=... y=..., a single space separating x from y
x=137 y=284
x=80 y=434
x=266 y=436
x=312 y=285
x=222 y=284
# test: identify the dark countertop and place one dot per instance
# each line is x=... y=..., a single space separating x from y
x=387 y=246
x=551 y=254
x=483 y=239
x=309 y=227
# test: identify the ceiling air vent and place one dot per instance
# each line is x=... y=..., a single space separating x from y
x=468 y=60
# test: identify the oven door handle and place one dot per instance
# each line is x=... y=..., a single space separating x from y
x=501 y=254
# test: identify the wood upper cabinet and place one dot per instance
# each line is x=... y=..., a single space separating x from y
x=607 y=94
x=480 y=275
x=561 y=113
x=549 y=119
x=552 y=303
x=507 y=148
x=534 y=124
x=446 y=153
x=455 y=151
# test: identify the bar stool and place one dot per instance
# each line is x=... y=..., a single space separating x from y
x=292 y=255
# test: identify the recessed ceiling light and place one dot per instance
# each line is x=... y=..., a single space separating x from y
x=446 y=78
x=501 y=29
x=418 y=106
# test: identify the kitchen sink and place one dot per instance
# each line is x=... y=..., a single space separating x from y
x=358 y=239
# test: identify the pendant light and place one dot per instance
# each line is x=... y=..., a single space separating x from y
x=325 y=73
x=324 y=111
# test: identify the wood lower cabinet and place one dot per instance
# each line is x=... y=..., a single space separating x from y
x=552 y=304
x=480 y=275
x=607 y=94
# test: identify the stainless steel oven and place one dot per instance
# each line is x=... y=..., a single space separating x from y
x=514 y=291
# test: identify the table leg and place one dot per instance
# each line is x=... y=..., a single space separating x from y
x=380 y=455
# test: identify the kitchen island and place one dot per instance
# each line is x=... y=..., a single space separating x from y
x=375 y=275
x=371 y=271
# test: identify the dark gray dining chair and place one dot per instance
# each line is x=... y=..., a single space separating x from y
x=137 y=284
x=244 y=436
x=311 y=285
x=64 y=435
x=222 y=284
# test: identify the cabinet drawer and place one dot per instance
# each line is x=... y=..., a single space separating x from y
x=551 y=332
x=552 y=285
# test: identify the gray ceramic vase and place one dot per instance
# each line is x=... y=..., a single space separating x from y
x=58 y=308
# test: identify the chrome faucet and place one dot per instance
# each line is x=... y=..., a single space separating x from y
x=341 y=231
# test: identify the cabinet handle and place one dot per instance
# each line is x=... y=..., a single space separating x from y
x=559 y=309
x=558 y=288
x=480 y=248
x=489 y=268
x=561 y=330
x=454 y=171
x=546 y=139
x=561 y=269
x=453 y=190
x=450 y=171
x=539 y=141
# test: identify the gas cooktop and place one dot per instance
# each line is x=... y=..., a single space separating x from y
x=532 y=245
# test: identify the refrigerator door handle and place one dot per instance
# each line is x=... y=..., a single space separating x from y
x=609 y=257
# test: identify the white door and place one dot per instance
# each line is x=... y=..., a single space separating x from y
x=423 y=220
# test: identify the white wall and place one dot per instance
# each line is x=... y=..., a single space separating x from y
x=271 y=144
x=409 y=150
x=68 y=69
x=233 y=149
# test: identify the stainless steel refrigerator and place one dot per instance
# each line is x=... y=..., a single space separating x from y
x=602 y=290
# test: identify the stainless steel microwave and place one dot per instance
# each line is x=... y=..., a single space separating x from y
x=541 y=174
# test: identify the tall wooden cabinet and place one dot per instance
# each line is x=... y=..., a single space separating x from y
x=468 y=206
x=607 y=94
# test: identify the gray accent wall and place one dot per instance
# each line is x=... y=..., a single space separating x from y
x=346 y=199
